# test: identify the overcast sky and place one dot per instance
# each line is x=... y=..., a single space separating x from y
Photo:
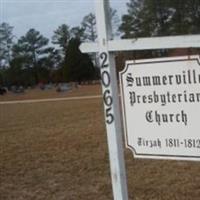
x=47 y=15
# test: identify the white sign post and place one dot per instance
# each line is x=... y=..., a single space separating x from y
x=111 y=102
x=161 y=107
x=106 y=46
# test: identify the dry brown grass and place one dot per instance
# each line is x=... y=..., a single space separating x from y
x=58 y=151
x=82 y=90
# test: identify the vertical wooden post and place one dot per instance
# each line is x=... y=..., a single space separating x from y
x=111 y=101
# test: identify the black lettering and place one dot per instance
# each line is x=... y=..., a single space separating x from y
x=146 y=81
x=105 y=77
x=104 y=57
x=107 y=98
x=138 y=81
x=129 y=80
x=156 y=80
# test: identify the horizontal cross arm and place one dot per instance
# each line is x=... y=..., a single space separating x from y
x=168 y=42
x=89 y=47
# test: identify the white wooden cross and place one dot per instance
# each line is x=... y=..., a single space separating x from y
x=106 y=46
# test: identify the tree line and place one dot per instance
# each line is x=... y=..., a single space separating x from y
x=146 y=18
x=31 y=59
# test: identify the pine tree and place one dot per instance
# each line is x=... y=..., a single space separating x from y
x=6 y=43
x=148 y=18
x=131 y=22
x=62 y=36
x=89 y=26
x=29 y=50
x=78 y=67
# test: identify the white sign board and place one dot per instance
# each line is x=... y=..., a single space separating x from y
x=161 y=107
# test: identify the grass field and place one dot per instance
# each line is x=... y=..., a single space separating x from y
x=37 y=93
x=58 y=151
